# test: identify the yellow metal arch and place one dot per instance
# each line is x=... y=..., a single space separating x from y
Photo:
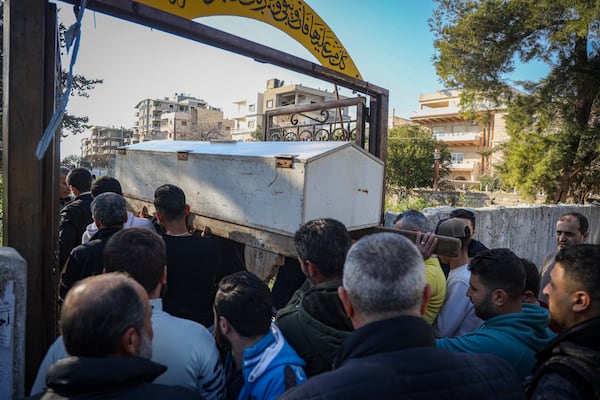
x=293 y=17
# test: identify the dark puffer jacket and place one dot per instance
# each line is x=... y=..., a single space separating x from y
x=85 y=260
x=396 y=359
x=570 y=366
x=315 y=325
x=109 y=378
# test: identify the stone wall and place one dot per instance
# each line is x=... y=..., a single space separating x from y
x=13 y=306
x=529 y=231
x=467 y=198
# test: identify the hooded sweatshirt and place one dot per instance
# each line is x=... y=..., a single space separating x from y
x=270 y=367
x=91 y=229
x=516 y=337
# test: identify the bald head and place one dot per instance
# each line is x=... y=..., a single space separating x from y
x=99 y=311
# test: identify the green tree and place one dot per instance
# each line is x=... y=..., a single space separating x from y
x=74 y=161
x=410 y=160
x=554 y=127
x=257 y=135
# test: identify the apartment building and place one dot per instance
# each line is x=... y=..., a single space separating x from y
x=192 y=116
x=250 y=112
x=105 y=140
x=248 y=118
x=471 y=143
x=196 y=124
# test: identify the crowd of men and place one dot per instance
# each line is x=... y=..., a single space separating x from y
x=156 y=309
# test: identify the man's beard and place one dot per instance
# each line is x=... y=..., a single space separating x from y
x=145 y=345
x=485 y=309
x=221 y=340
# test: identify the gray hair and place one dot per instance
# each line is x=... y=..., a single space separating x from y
x=384 y=276
x=96 y=313
x=110 y=209
x=413 y=219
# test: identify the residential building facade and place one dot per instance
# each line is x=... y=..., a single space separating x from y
x=251 y=112
x=472 y=143
x=196 y=124
x=248 y=118
x=162 y=118
x=105 y=140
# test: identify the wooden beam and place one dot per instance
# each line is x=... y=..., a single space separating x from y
x=29 y=205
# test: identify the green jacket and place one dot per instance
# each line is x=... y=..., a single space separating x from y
x=315 y=325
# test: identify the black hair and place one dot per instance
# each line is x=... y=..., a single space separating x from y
x=325 y=242
x=246 y=302
x=80 y=178
x=106 y=184
x=169 y=201
x=139 y=252
x=500 y=269
x=580 y=263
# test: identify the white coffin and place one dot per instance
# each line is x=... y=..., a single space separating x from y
x=239 y=182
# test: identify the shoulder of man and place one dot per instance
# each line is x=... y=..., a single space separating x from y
x=578 y=366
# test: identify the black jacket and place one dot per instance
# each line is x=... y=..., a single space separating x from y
x=315 y=325
x=85 y=260
x=397 y=359
x=74 y=218
x=570 y=366
x=109 y=378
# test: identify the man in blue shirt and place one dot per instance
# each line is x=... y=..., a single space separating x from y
x=243 y=311
x=512 y=330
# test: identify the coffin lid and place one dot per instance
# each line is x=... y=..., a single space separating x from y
x=302 y=151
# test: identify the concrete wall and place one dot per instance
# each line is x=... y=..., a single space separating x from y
x=13 y=305
x=527 y=231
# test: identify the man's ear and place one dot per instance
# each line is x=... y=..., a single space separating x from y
x=529 y=297
x=499 y=297
x=163 y=276
x=224 y=325
x=425 y=300
x=159 y=217
x=187 y=210
x=346 y=302
x=130 y=343
x=585 y=236
x=311 y=269
x=582 y=302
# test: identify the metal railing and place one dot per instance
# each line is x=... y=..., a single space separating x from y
x=317 y=122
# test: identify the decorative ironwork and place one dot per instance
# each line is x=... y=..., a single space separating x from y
x=315 y=122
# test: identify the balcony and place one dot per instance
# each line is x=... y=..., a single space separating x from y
x=464 y=166
x=458 y=138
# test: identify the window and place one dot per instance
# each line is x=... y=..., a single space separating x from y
x=183 y=123
x=459 y=129
x=269 y=103
x=251 y=108
x=250 y=124
x=170 y=105
x=438 y=130
x=457 y=158
x=181 y=108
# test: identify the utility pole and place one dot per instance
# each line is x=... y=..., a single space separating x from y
x=436 y=167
